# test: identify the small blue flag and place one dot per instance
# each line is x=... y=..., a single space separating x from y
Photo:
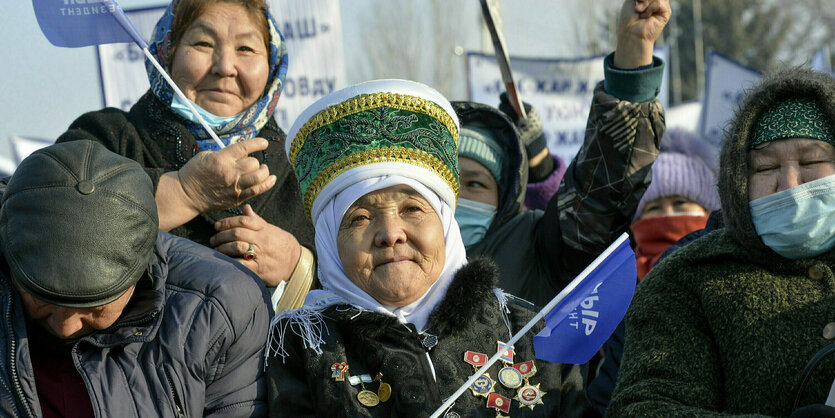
x=591 y=309
x=76 y=23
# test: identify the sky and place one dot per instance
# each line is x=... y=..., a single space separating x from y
x=44 y=88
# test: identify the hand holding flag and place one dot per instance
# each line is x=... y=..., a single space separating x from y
x=77 y=23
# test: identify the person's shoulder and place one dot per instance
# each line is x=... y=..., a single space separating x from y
x=192 y=267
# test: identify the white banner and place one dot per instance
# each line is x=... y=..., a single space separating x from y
x=313 y=31
x=725 y=83
x=311 y=28
x=560 y=89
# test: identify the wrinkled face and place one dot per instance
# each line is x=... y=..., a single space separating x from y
x=221 y=63
x=477 y=183
x=782 y=164
x=671 y=206
x=391 y=243
x=70 y=323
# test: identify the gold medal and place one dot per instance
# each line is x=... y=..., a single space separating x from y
x=384 y=392
x=368 y=398
x=510 y=378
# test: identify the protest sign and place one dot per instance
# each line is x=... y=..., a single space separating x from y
x=559 y=89
x=313 y=31
x=726 y=82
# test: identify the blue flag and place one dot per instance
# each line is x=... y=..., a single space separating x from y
x=591 y=309
x=76 y=23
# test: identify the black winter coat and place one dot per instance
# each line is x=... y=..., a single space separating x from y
x=468 y=319
x=155 y=137
x=189 y=343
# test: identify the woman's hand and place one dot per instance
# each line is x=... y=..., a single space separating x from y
x=218 y=180
x=210 y=181
x=640 y=24
x=276 y=250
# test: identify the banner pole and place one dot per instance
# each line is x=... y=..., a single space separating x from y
x=183 y=97
x=557 y=299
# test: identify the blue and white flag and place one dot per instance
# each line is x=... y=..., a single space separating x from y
x=77 y=23
x=591 y=308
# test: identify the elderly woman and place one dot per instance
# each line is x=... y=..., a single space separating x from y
x=728 y=324
x=403 y=319
x=229 y=59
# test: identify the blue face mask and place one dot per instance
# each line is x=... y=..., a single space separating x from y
x=473 y=219
x=181 y=108
x=798 y=222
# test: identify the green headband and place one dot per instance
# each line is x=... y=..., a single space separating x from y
x=793 y=119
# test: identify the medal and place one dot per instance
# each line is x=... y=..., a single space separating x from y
x=499 y=403
x=507 y=352
x=510 y=378
x=527 y=369
x=339 y=370
x=483 y=386
x=476 y=359
x=530 y=396
x=368 y=398
x=384 y=391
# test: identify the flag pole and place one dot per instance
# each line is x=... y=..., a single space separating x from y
x=565 y=292
x=182 y=96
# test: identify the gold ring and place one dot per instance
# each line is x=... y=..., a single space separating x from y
x=250 y=253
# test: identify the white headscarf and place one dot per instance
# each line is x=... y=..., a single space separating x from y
x=338 y=288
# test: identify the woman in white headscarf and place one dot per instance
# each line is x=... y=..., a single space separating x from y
x=403 y=319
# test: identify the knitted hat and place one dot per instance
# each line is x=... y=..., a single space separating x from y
x=794 y=118
x=372 y=129
x=480 y=144
x=78 y=224
x=686 y=166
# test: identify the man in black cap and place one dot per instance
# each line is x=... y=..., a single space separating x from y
x=104 y=315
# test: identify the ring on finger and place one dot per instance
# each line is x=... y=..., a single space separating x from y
x=249 y=254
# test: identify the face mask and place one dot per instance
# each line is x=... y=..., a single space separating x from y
x=181 y=108
x=654 y=235
x=798 y=222
x=473 y=220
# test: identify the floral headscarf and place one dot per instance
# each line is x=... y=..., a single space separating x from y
x=249 y=122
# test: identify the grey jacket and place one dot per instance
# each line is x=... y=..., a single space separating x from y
x=539 y=252
x=188 y=344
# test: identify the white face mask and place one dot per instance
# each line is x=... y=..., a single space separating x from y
x=798 y=222
x=181 y=108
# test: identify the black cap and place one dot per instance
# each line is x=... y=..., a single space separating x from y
x=78 y=224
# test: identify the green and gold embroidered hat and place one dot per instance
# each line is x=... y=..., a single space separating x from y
x=372 y=129
x=793 y=119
